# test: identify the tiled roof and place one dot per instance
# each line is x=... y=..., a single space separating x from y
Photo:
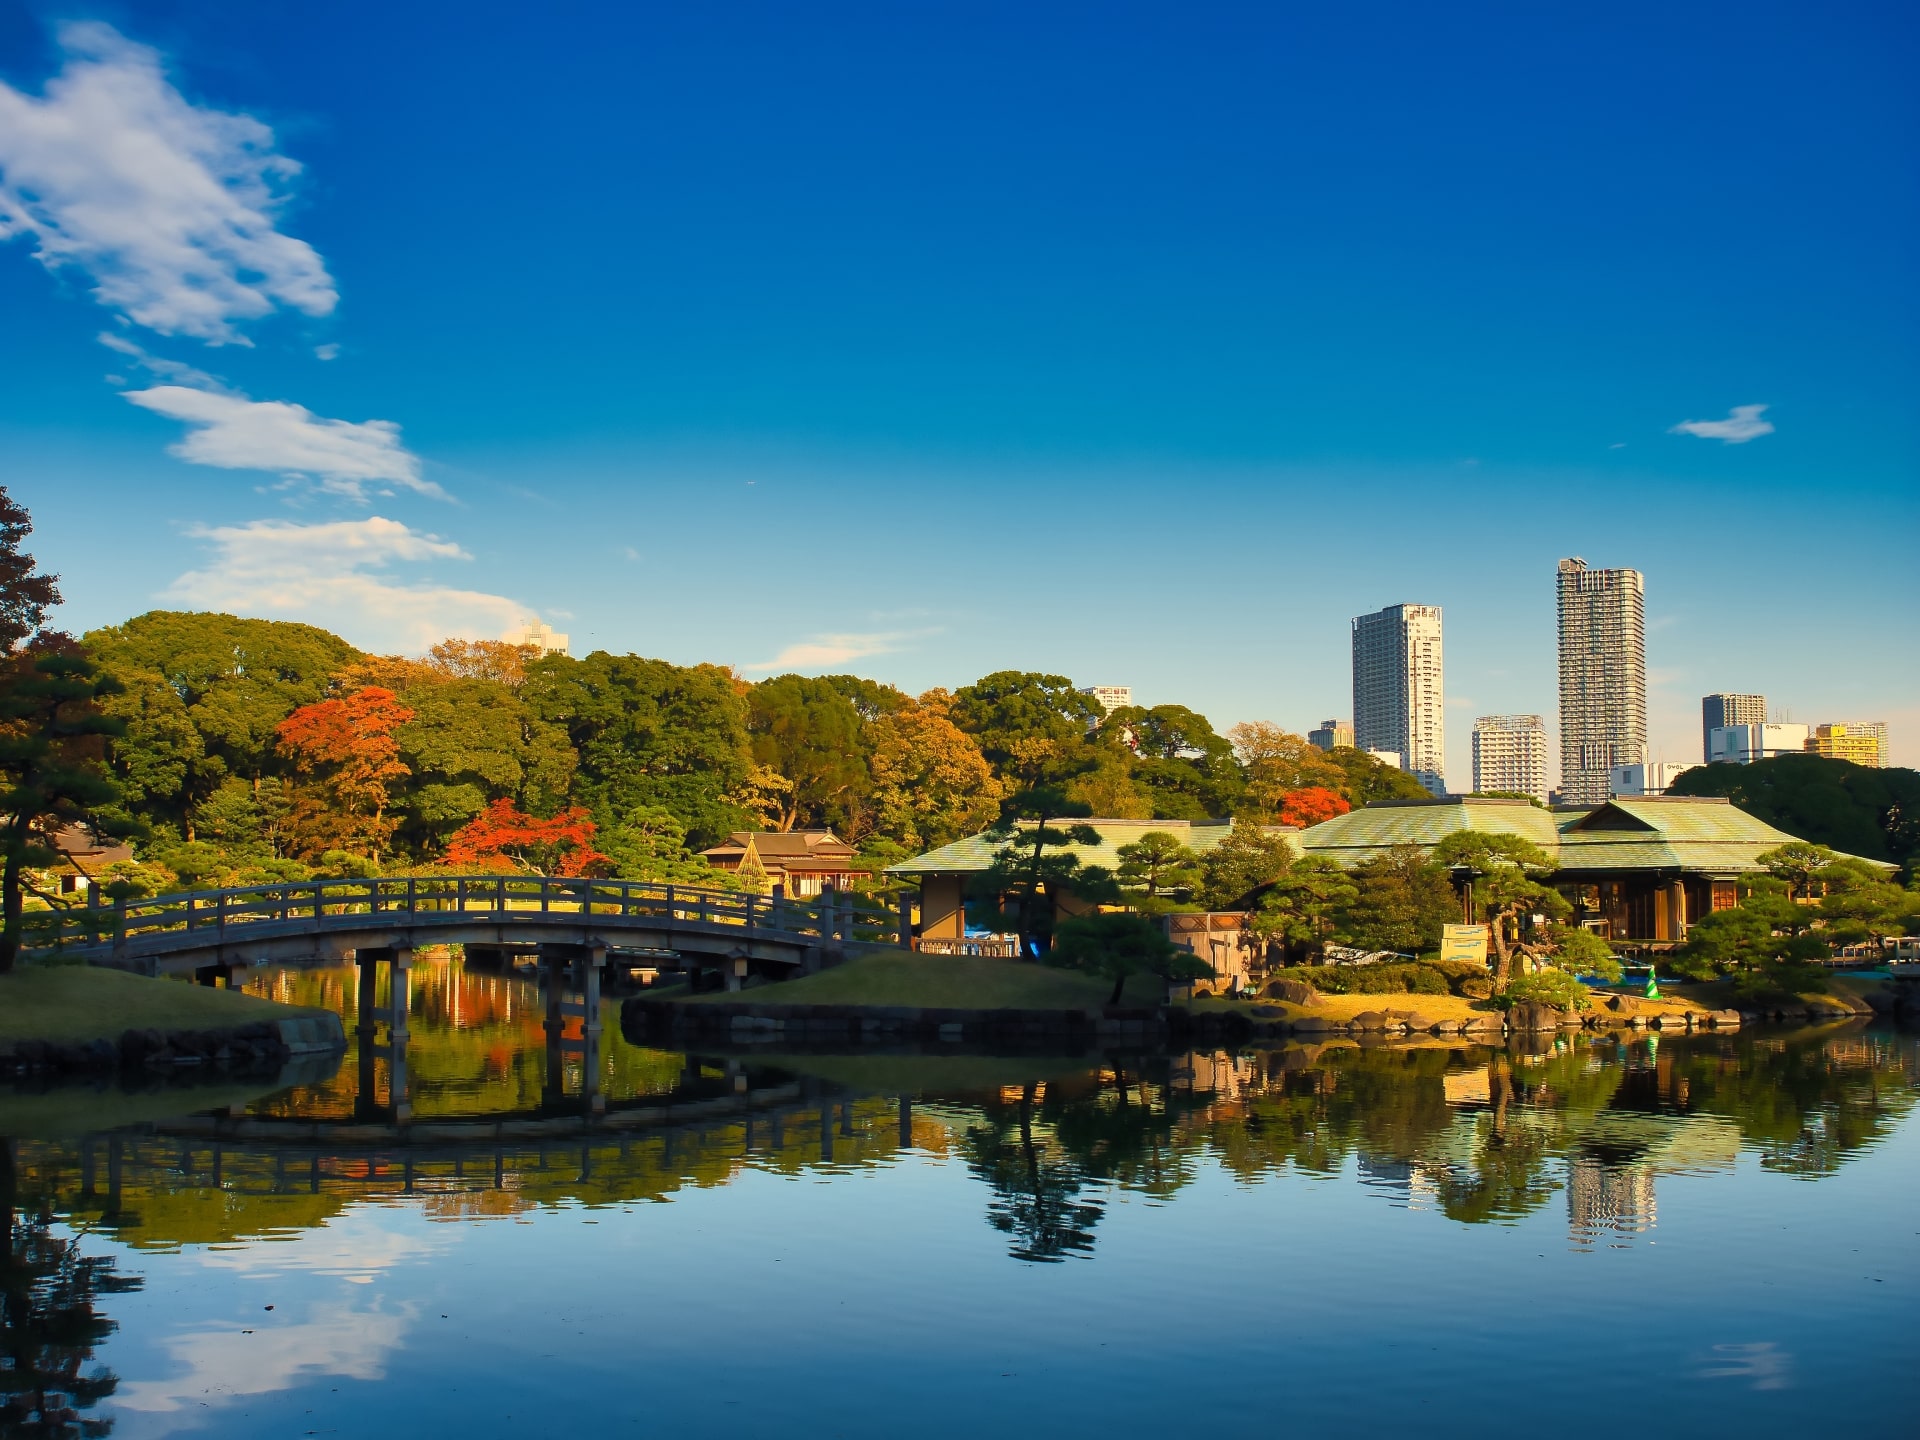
x=975 y=853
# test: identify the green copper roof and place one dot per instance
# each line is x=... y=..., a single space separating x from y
x=1700 y=834
x=975 y=853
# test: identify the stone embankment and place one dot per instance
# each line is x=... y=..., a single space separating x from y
x=258 y=1045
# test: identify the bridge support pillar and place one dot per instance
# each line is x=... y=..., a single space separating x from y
x=399 y=994
x=906 y=1122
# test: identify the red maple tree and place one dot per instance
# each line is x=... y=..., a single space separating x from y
x=348 y=745
x=1311 y=805
x=502 y=833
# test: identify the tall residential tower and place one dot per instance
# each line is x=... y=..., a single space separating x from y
x=1603 y=677
x=1510 y=755
x=1399 y=701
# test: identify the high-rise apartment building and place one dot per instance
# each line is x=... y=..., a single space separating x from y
x=1864 y=742
x=1718 y=712
x=1655 y=777
x=1332 y=735
x=1603 y=677
x=1109 y=697
x=1510 y=754
x=1399 y=700
x=536 y=634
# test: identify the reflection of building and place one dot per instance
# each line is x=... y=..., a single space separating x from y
x=1603 y=677
x=1332 y=735
x=1719 y=711
x=802 y=862
x=539 y=635
x=1608 y=1197
x=1744 y=744
x=1109 y=697
x=1510 y=755
x=1399 y=700
x=1652 y=778
x=1864 y=742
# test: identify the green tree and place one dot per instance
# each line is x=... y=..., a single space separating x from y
x=1855 y=809
x=650 y=844
x=1402 y=901
x=1033 y=861
x=51 y=734
x=1032 y=728
x=649 y=733
x=1507 y=875
x=810 y=732
x=1365 y=779
x=1116 y=945
x=1158 y=866
x=1235 y=870
x=1184 y=769
x=235 y=681
x=1299 y=911
x=472 y=741
x=931 y=784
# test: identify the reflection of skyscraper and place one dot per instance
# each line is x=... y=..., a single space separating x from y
x=1603 y=1197
x=1399 y=701
x=1603 y=677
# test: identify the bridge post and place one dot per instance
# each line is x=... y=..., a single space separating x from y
x=399 y=994
x=367 y=963
x=594 y=966
x=906 y=920
x=906 y=1122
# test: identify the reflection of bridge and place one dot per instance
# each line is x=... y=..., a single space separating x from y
x=212 y=932
x=651 y=1141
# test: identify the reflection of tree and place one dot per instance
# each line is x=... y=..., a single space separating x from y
x=1809 y=1102
x=1036 y=1192
x=50 y=1325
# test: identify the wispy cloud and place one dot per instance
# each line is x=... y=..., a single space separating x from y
x=233 y=432
x=171 y=370
x=1743 y=423
x=824 y=650
x=339 y=574
x=170 y=207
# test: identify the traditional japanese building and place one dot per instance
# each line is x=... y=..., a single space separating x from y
x=801 y=862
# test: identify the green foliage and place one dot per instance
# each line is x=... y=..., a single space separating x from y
x=1117 y=945
x=1297 y=912
x=470 y=742
x=1411 y=979
x=1506 y=873
x=1033 y=861
x=1547 y=986
x=1157 y=865
x=1402 y=902
x=1862 y=811
x=649 y=843
x=1368 y=779
x=1032 y=728
x=1176 y=761
x=1581 y=952
x=812 y=733
x=1246 y=862
x=648 y=733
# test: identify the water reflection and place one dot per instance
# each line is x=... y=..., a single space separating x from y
x=322 y=1183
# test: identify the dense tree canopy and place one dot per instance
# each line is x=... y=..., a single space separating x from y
x=1854 y=809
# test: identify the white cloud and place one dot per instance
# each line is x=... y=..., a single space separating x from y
x=172 y=370
x=823 y=650
x=338 y=574
x=1743 y=423
x=326 y=352
x=170 y=207
x=235 y=433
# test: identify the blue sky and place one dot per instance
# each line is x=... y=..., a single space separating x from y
x=1140 y=344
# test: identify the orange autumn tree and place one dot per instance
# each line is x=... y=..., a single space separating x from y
x=346 y=748
x=1311 y=805
x=503 y=834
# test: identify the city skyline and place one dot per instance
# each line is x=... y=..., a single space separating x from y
x=1029 y=339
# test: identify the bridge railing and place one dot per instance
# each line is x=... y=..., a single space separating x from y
x=164 y=922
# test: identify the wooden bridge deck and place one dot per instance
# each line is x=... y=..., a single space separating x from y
x=327 y=918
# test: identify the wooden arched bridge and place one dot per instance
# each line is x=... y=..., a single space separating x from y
x=222 y=930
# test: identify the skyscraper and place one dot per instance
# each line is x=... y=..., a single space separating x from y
x=1603 y=677
x=1510 y=754
x=1331 y=735
x=1717 y=712
x=1398 y=696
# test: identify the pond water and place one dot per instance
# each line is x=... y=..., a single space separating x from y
x=1665 y=1234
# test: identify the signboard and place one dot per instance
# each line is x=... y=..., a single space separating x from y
x=1464 y=944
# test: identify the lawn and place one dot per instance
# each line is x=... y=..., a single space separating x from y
x=941 y=982
x=82 y=1002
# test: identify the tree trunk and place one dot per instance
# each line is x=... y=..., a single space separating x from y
x=1119 y=984
x=1502 y=958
